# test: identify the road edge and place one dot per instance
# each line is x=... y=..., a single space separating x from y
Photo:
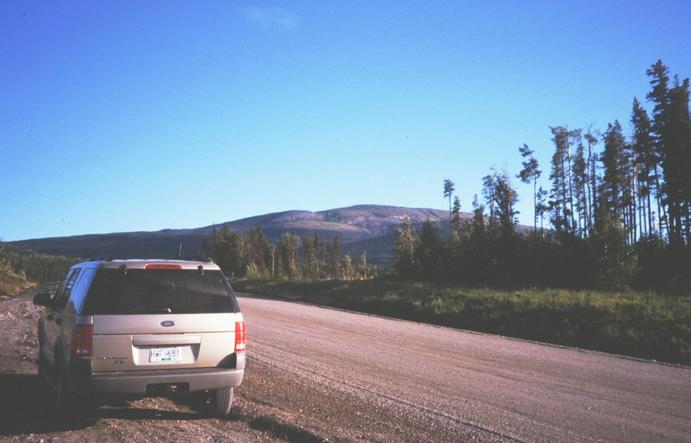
x=469 y=331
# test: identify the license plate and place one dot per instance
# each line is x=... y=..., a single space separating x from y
x=164 y=355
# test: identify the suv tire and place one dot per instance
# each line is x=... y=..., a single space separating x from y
x=42 y=371
x=67 y=404
x=43 y=367
x=223 y=400
x=64 y=403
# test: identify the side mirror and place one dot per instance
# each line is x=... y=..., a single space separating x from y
x=43 y=299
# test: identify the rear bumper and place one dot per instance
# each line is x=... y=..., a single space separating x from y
x=137 y=382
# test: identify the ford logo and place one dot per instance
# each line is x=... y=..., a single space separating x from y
x=167 y=323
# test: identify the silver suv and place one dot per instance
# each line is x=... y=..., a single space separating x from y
x=141 y=328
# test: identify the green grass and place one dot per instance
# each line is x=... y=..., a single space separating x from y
x=643 y=325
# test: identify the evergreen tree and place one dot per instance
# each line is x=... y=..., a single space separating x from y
x=429 y=252
x=572 y=138
x=226 y=249
x=335 y=252
x=562 y=192
x=488 y=187
x=347 y=268
x=628 y=196
x=478 y=223
x=530 y=172
x=362 y=268
x=287 y=251
x=610 y=242
x=258 y=253
x=614 y=165
x=404 y=250
x=541 y=207
x=449 y=187
x=645 y=161
x=591 y=139
x=659 y=96
x=676 y=162
x=312 y=257
x=580 y=183
x=505 y=200
x=458 y=231
x=456 y=217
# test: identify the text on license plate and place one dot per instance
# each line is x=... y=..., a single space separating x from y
x=164 y=355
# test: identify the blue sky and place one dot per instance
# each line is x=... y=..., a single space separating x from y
x=119 y=116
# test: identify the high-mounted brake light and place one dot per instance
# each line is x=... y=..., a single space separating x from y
x=162 y=266
x=82 y=341
x=240 y=336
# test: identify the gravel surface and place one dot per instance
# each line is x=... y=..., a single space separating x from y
x=402 y=380
x=317 y=374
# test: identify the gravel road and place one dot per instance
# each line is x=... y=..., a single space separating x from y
x=317 y=374
x=420 y=382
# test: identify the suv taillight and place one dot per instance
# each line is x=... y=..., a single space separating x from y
x=240 y=336
x=82 y=341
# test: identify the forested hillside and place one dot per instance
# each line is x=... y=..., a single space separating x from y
x=20 y=268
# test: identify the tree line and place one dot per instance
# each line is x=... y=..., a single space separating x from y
x=617 y=209
x=252 y=255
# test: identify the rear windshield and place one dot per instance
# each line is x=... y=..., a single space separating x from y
x=158 y=291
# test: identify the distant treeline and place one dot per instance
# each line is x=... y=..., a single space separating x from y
x=619 y=210
x=252 y=255
x=34 y=266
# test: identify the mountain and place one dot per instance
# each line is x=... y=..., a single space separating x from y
x=361 y=228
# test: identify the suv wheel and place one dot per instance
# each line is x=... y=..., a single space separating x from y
x=69 y=405
x=63 y=398
x=43 y=371
x=42 y=368
x=223 y=400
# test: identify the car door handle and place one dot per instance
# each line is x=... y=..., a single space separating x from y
x=58 y=321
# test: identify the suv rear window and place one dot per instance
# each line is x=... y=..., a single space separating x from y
x=158 y=291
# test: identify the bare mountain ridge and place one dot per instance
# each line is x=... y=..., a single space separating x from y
x=361 y=228
x=352 y=224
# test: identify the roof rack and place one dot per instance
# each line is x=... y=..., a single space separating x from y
x=194 y=258
x=101 y=258
x=186 y=258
